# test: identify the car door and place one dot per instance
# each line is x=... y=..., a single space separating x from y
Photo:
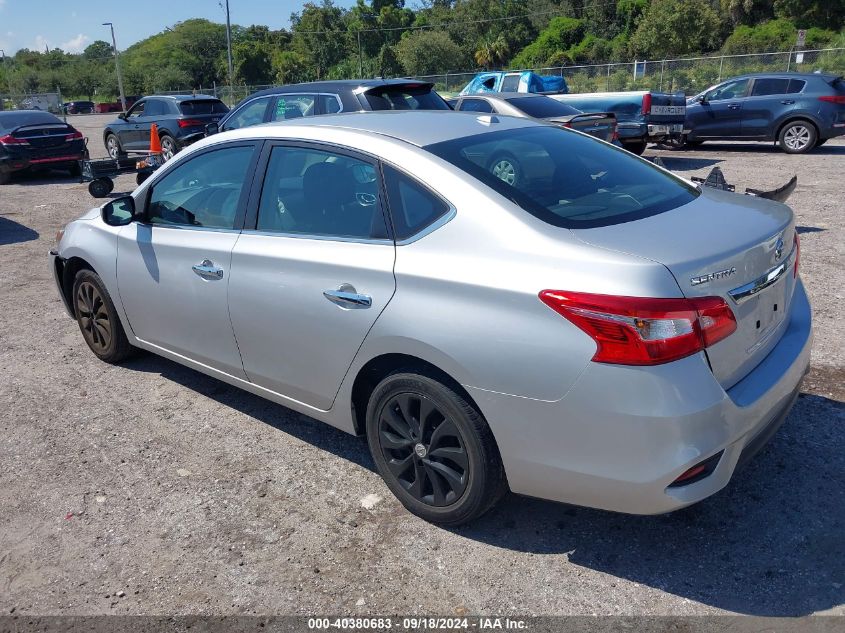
x=173 y=268
x=767 y=102
x=720 y=112
x=128 y=132
x=312 y=272
x=154 y=111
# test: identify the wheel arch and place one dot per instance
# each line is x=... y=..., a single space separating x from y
x=793 y=119
x=67 y=270
x=379 y=367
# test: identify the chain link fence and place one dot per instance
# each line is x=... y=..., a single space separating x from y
x=46 y=101
x=689 y=75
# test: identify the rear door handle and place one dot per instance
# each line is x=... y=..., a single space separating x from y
x=207 y=270
x=788 y=101
x=347 y=297
x=734 y=106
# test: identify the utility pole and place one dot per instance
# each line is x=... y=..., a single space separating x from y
x=229 y=54
x=360 y=58
x=8 y=78
x=117 y=66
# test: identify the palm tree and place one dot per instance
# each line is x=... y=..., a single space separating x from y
x=492 y=52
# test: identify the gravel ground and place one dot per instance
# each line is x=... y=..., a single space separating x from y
x=152 y=489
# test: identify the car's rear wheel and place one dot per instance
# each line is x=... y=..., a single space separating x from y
x=506 y=168
x=797 y=137
x=113 y=147
x=97 y=318
x=168 y=147
x=635 y=148
x=433 y=449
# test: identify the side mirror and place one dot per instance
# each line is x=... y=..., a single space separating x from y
x=211 y=128
x=122 y=115
x=702 y=99
x=118 y=212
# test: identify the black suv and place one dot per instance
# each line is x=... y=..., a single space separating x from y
x=330 y=97
x=181 y=120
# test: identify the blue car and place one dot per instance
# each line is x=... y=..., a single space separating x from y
x=181 y=120
x=798 y=111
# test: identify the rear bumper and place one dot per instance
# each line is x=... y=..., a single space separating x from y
x=622 y=435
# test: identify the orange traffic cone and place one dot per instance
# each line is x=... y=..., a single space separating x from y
x=155 y=142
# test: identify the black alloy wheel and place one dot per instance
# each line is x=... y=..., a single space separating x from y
x=97 y=318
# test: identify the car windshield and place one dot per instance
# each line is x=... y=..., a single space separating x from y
x=206 y=106
x=405 y=97
x=564 y=178
x=542 y=107
x=11 y=120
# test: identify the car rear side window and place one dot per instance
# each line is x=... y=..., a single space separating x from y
x=404 y=97
x=251 y=113
x=475 y=105
x=769 y=86
x=412 y=206
x=795 y=86
x=329 y=104
x=155 y=107
x=510 y=83
x=294 y=106
x=204 y=191
x=564 y=178
x=203 y=106
x=320 y=193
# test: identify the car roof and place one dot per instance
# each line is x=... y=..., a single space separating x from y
x=506 y=96
x=417 y=127
x=788 y=73
x=183 y=97
x=17 y=118
x=337 y=85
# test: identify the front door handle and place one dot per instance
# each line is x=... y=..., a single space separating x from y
x=733 y=106
x=347 y=297
x=788 y=101
x=207 y=270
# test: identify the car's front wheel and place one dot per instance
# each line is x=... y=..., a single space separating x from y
x=113 y=147
x=797 y=137
x=97 y=318
x=433 y=449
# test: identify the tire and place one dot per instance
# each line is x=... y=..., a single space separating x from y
x=635 y=148
x=506 y=168
x=104 y=333
x=75 y=170
x=169 y=148
x=797 y=137
x=140 y=178
x=113 y=147
x=101 y=187
x=447 y=470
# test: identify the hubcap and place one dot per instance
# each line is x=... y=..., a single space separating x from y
x=423 y=449
x=797 y=137
x=167 y=149
x=93 y=316
x=504 y=170
x=112 y=147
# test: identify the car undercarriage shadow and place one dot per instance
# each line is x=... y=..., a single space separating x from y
x=763 y=148
x=769 y=544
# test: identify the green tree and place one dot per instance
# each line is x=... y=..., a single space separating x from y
x=98 y=50
x=388 y=64
x=808 y=13
x=552 y=43
x=84 y=78
x=677 y=27
x=319 y=36
x=492 y=52
x=429 y=53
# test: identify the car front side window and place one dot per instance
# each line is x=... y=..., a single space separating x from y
x=730 y=90
x=204 y=191
x=137 y=110
x=293 y=106
x=321 y=193
x=251 y=113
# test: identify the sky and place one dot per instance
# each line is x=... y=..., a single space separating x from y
x=72 y=25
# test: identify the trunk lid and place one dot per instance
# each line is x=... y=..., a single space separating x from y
x=666 y=109
x=740 y=248
x=599 y=124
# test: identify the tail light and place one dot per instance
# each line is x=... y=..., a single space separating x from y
x=568 y=124
x=74 y=136
x=642 y=330
x=797 y=242
x=647 y=103
x=840 y=99
x=190 y=123
x=12 y=140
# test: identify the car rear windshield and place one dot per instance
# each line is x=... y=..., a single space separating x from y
x=405 y=97
x=564 y=178
x=206 y=106
x=542 y=107
x=11 y=120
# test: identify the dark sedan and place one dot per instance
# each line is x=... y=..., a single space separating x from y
x=181 y=120
x=330 y=97
x=78 y=107
x=33 y=139
x=798 y=111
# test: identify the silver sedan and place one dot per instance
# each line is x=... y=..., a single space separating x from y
x=594 y=330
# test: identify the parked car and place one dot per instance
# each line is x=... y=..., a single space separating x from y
x=78 y=107
x=181 y=120
x=590 y=333
x=798 y=111
x=519 y=81
x=284 y=103
x=599 y=124
x=642 y=116
x=33 y=139
x=115 y=106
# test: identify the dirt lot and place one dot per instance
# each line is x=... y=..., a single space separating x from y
x=150 y=488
